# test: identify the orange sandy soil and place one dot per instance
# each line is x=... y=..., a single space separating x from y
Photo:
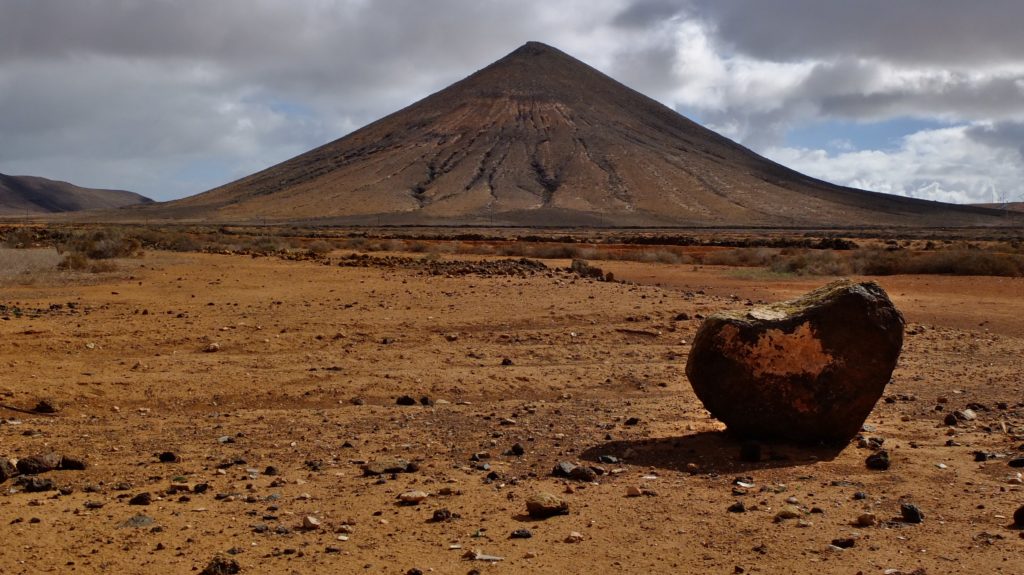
x=298 y=341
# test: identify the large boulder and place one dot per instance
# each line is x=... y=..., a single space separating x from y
x=808 y=370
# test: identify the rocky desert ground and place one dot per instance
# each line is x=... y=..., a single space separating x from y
x=260 y=415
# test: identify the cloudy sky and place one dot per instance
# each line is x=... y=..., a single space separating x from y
x=172 y=97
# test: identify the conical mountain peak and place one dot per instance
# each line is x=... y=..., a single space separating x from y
x=541 y=138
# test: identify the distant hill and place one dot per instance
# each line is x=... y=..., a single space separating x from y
x=30 y=195
x=540 y=138
x=1009 y=206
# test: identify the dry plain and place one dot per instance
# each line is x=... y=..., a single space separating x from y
x=272 y=382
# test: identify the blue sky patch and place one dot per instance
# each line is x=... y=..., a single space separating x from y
x=842 y=135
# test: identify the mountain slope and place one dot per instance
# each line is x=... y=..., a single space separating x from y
x=30 y=195
x=539 y=138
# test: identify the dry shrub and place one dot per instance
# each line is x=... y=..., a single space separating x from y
x=742 y=257
x=948 y=262
x=102 y=244
x=660 y=256
x=811 y=262
x=20 y=238
x=319 y=248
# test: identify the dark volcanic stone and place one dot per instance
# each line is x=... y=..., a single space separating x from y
x=1018 y=517
x=879 y=461
x=844 y=542
x=910 y=513
x=169 y=457
x=144 y=498
x=36 y=464
x=405 y=400
x=69 y=463
x=583 y=473
x=46 y=406
x=36 y=484
x=221 y=566
x=808 y=370
x=563 y=469
x=7 y=470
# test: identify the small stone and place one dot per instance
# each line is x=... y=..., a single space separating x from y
x=405 y=400
x=46 y=406
x=910 y=513
x=844 y=542
x=441 y=515
x=950 y=420
x=36 y=484
x=542 y=505
x=583 y=473
x=633 y=491
x=574 y=537
x=387 y=466
x=521 y=534
x=965 y=414
x=221 y=565
x=310 y=523
x=213 y=347
x=41 y=463
x=7 y=470
x=866 y=520
x=1016 y=462
x=168 y=457
x=517 y=450
x=878 y=461
x=144 y=498
x=632 y=421
x=737 y=507
x=1018 y=517
x=563 y=469
x=137 y=522
x=787 y=512
x=412 y=497
x=69 y=463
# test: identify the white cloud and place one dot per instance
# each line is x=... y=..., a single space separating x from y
x=172 y=97
x=946 y=165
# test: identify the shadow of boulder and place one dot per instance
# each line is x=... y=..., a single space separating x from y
x=712 y=452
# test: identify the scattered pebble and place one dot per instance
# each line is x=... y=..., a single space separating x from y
x=911 y=513
x=542 y=505
x=878 y=461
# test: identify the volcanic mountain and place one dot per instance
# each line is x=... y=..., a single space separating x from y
x=30 y=195
x=540 y=138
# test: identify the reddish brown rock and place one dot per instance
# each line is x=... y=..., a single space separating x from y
x=807 y=370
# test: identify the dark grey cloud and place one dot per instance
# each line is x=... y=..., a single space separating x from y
x=170 y=97
x=1000 y=135
x=941 y=32
x=644 y=13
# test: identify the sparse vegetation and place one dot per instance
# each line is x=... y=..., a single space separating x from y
x=981 y=252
